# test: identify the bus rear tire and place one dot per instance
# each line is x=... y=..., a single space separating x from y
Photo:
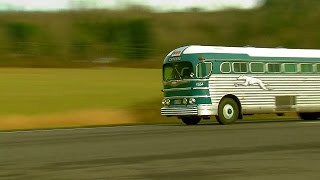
x=228 y=111
x=309 y=116
x=190 y=120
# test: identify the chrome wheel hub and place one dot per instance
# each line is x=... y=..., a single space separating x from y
x=228 y=111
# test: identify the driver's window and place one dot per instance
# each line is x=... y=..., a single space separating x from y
x=204 y=69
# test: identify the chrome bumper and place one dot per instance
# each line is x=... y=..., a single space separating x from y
x=200 y=110
x=179 y=111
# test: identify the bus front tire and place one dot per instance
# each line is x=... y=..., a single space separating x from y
x=228 y=111
x=190 y=120
x=309 y=116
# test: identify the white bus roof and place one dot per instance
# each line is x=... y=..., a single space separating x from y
x=254 y=52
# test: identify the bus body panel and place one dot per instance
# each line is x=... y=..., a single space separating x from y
x=305 y=89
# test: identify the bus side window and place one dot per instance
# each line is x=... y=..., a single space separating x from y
x=225 y=67
x=290 y=68
x=306 y=68
x=257 y=67
x=318 y=68
x=274 y=67
x=240 y=67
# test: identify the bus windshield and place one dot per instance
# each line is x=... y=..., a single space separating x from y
x=177 y=71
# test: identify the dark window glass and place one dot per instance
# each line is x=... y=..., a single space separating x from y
x=290 y=68
x=318 y=68
x=225 y=67
x=240 y=67
x=257 y=67
x=204 y=69
x=274 y=68
x=176 y=71
x=306 y=68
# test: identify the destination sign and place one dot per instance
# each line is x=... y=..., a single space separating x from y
x=174 y=59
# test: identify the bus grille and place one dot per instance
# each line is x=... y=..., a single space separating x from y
x=179 y=111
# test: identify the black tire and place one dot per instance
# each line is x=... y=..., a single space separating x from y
x=309 y=116
x=191 y=120
x=228 y=111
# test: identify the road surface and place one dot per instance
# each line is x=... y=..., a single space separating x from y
x=260 y=150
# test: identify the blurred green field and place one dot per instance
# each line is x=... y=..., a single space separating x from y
x=47 y=98
x=40 y=91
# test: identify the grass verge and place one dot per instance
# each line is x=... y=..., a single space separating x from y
x=102 y=117
x=43 y=98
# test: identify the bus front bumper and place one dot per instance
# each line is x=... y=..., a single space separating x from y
x=199 y=110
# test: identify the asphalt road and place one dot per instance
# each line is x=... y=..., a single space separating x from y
x=262 y=150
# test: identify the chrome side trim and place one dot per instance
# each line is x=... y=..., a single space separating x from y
x=201 y=88
x=176 y=97
x=187 y=80
x=185 y=89
x=178 y=89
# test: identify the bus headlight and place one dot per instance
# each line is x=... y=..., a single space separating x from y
x=166 y=102
x=185 y=101
x=192 y=101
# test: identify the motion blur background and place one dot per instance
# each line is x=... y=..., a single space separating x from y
x=93 y=58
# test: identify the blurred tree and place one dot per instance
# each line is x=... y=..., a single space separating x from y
x=139 y=39
x=291 y=5
x=20 y=35
x=137 y=34
x=132 y=38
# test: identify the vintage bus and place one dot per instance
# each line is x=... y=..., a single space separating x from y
x=229 y=82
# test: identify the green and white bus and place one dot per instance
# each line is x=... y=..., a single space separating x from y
x=229 y=82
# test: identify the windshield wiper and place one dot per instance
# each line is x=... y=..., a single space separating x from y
x=175 y=67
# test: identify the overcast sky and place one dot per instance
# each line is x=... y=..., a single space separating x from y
x=157 y=5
